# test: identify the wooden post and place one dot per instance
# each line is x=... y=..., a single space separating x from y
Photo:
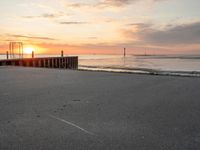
x=44 y=63
x=20 y=63
x=49 y=63
x=72 y=62
x=32 y=54
x=7 y=56
x=62 y=53
x=39 y=63
x=33 y=63
x=56 y=63
x=13 y=63
x=76 y=62
x=65 y=62
x=27 y=63
x=52 y=63
x=59 y=62
x=69 y=62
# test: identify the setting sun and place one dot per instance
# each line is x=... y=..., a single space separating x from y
x=28 y=50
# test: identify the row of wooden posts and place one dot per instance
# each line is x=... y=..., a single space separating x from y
x=46 y=62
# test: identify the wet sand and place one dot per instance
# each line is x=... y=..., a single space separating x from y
x=64 y=109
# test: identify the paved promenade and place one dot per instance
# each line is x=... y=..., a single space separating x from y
x=52 y=109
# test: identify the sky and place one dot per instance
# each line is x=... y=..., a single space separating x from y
x=102 y=26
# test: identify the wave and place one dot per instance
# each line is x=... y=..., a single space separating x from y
x=141 y=71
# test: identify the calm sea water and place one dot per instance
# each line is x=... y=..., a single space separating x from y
x=175 y=63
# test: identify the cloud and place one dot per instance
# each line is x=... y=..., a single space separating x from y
x=117 y=3
x=120 y=3
x=170 y=35
x=30 y=37
x=140 y=25
x=181 y=34
x=78 y=5
x=50 y=15
x=72 y=22
x=45 y=15
x=92 y=37
x=107 y=3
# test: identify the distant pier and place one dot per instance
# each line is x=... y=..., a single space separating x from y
x=46 y=62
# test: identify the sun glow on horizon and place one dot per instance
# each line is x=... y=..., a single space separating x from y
x=29 y=50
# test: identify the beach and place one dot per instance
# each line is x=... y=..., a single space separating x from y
x=59 y=109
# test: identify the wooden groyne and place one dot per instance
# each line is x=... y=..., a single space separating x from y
x=47 y=62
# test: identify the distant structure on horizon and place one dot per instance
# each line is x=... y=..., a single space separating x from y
x=124 y=52
x=15 y=49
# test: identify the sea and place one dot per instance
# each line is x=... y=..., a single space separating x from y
x=179 y=65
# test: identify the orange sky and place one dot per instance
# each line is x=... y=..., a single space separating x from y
x=102 y=26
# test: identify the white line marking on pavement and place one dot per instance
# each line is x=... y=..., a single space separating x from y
x=72 y=124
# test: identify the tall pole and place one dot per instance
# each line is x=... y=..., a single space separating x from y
x=124 y=52
x=62 y=53
x=7 y=55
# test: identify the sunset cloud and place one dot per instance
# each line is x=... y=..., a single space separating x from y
x=45 y=15
x=171 y=35
x=30 y=37
x=107 y=3
x=72 y=22
x=180 y=34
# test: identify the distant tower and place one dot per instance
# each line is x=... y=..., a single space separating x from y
x=124 y=52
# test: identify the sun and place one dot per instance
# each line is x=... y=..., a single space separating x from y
x=28 y=50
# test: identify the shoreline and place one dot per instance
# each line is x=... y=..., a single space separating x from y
x=141 y=71
x=125 y=71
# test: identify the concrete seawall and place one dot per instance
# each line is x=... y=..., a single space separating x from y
x=49 y=62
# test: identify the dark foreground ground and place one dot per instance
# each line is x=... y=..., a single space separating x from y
x=50 y=109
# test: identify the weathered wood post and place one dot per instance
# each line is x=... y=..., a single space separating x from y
x=62 y=60
x=52 y=63
x=33 y=63
x=76 y=62
x=65 y=62
x=13 y=63
x=39 y=63
x=44 y=63
x=7 y=55
x=56 y=63
x=72 y=62
x=60 y=63
x=20 y=63
x=27 y=63
x=32 y=54
x=48 y=63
